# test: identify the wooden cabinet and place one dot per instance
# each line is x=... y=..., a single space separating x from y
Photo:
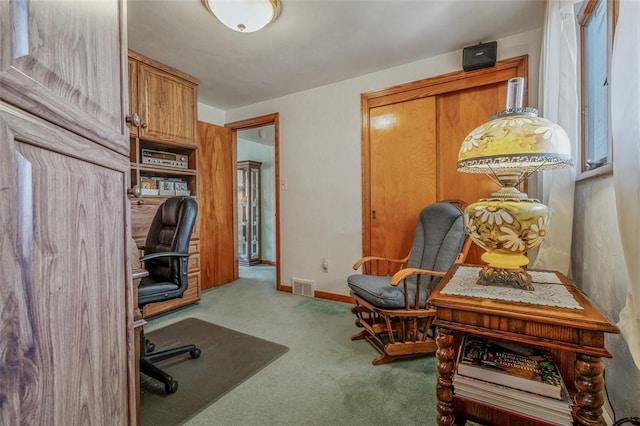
x=249 y=212
x=164 y=100
x=163 y=155
x=67 y=322
x=575 y=337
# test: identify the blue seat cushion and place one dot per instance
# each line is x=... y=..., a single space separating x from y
x=379 y=292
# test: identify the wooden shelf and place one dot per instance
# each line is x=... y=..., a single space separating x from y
x=575 y=337
x=168 y=123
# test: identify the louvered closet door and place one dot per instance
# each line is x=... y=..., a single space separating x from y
x=403 y=172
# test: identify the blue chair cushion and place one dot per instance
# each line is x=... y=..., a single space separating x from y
x=379 y=292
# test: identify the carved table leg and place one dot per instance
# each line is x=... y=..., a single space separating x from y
x=589 y=383
x=444 y=387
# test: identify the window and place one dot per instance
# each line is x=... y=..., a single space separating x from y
x=597 y=21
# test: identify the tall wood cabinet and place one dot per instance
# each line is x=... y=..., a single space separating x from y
x=249 y=212
x=66 y=296
x=164 y=155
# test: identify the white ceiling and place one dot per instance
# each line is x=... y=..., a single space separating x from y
x=315 y=42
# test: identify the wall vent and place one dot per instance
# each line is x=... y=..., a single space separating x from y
x=302 y=287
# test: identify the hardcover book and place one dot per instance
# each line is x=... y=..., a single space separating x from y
x=508 y=364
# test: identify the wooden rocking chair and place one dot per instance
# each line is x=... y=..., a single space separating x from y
x=394 y=311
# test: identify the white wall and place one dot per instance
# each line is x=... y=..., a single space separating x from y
x=248 y=150
x=320 y=145
x=210 y=114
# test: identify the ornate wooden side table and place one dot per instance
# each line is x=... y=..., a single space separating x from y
x=575 y=334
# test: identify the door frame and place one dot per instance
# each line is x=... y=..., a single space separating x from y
x=250 y=123
x=454 y=81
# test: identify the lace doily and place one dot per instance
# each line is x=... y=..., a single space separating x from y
x=546 y=293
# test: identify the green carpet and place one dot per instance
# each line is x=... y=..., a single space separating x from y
x=228 y=358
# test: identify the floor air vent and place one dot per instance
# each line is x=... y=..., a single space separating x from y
x=302 y=287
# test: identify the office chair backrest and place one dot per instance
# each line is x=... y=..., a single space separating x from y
x=438 y=237
x=170 y=231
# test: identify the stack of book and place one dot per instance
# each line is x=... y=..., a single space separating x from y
x=519 y=379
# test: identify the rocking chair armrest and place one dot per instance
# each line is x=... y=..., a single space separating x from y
x=465 y=250
x=367 y=259
x=403 y=274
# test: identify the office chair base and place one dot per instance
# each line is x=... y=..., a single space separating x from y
x=148 y=358
x=170 y=385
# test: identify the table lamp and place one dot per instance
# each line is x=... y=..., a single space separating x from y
x=511 y=146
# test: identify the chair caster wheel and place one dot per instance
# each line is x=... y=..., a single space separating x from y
x=171 y=387
x=195 y=353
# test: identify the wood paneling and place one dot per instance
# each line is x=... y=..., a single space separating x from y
x=216 y=165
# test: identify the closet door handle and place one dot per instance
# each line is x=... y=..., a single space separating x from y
x=373 y=215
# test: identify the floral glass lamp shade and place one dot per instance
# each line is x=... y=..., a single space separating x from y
x=510 y=147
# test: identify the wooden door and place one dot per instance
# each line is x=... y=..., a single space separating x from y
x=67 y=313
x=216 y=169
x=453 y=104
x=403 y=172
x=167 y=107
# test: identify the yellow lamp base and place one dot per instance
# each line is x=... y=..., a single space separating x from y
x=505 y=261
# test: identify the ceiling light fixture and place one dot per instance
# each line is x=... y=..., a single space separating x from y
x=245 y=16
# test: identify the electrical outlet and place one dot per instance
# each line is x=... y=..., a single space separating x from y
x=324 y=264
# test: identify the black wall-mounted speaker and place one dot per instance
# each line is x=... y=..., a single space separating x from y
x=481 y=55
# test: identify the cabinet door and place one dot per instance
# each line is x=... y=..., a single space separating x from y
x=64 y=61
x=134 y=126
x=244 y=226
x=255 y=202
x=65 y=298
x=167 y=107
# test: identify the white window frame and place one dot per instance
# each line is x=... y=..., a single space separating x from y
x=584 y=19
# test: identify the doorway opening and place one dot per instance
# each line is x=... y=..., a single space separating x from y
x=256 y=199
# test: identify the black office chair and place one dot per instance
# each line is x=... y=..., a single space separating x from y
x=166 y=253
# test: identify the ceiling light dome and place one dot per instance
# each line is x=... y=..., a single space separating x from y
x=245 y=16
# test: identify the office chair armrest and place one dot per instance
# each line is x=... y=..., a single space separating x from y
x=163 y=254
x=367 y=260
